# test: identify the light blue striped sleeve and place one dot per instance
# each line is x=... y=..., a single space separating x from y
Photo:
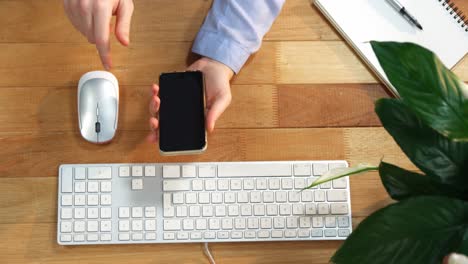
x=233 y=30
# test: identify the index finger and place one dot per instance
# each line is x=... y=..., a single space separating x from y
x=102 y=20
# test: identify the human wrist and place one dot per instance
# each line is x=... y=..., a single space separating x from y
x=208 y=62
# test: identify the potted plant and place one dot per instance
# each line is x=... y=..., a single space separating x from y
x=429 y=219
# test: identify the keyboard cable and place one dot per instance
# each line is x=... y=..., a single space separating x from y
x=207 y=252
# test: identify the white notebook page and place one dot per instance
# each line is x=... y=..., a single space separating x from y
x=364 y=20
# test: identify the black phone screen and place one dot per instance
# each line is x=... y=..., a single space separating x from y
x=182 y=112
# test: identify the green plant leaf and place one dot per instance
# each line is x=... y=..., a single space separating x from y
x=341 y=172
x=435 y=94
x=435 y=155
x=401 y=184
x=417 y=230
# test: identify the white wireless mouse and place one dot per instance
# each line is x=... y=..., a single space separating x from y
x=98 y=106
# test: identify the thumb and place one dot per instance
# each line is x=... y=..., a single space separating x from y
x=123 y=21
x=215 y=111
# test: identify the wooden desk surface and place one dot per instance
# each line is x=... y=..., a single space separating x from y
x=303 y=96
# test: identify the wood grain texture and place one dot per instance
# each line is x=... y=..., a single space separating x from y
x=303 y=96
x=39 y=154
x=54 y=109
x=328 y=105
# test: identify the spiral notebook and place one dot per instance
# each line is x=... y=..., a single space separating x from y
x=360 y=21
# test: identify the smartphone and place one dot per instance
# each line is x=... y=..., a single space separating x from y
x=182 y=113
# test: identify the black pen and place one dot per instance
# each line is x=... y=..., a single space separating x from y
x=402 y=10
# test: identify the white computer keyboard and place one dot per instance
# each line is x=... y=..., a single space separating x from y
x=200 y=202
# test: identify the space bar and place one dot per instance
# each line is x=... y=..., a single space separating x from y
x=254 y=170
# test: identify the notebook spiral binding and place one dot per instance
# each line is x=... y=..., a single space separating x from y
x=458 y=15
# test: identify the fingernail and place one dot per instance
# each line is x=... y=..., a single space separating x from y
x=106 y=67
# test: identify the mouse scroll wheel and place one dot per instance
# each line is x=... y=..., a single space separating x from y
x=98 y=127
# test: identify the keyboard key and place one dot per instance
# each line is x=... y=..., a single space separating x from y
x=106 y=186
x=291 y=222
x=236 y=234
x=79 y=226
x=261 y=184
x=106 y=226
x=303 y=233
x=189 y=171
x=106 y=237
x=150 y=225
x=330 y=232
x=223 y=185
x=168 y=212
x=278 y=222
x=254 y=170
x=268 y=197
x=217 y=197
x=343 y=232
x=93 y=199
x=236 y=184
x=124 y=212
x=265 y=223
x=99 y=173
x=194 y=211
x=255 y=197
x=106 y=212
x=137 y=171
x=226 y=223
x=92 y=237
x=294 y=196
x=181 y=211
x=150 y=211
x=176 y=185
x=67 y=199
x=229 y=197
x=150 y=236
x=178 y=198
x=252 y=223
x=317 y=221
x=79 y=237
x=285 y=209
x=124 y=236
x=65 y=238
x=210 y=185
x=263 y=234
x=223 y=235
x=196 y=235
x=239 y=223
x=337 y=195
x=302 y=170
x=209 y=235
x=124 y=225
x=206 y=171
x=66 y=213
x=197 y=185
x=246 y=209
x=343 y=221
x=67 y=179
x=201 y=224
x=65 y=227
x=171 y=171
x=137 y=184
x=281 y=197
x=322 y=208
x=213 y=224
x=340 y=183
x=250 y=234
x=106 y=199
x=137 y=236
x=325 y=185
x=188 y=224
x=182 y=235
x=150 y=171
x=259 y=209
x=286 y=184
x=306 y=196
x=80 y=199
x=80 y=173
x=274 y=184
x=320 y=169
x=330 y=221
x=317 y=233
x=276 y=233
x=93 y=213
x=304 y=222
x=137 y=225
x=248 y=184
x=80 y=186
x=299 y=184
x=171 y=224
x=220 y=210
x=290 y=233
x=242 y=197
x=319 y=196
x=272 y=209
x=93 y=186
x=124 y=171
x=310 y=209
x=339 y=208
x=137 y=212
x=168 y=236
x=79 y=213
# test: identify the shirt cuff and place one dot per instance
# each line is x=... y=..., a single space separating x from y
x=220 y=48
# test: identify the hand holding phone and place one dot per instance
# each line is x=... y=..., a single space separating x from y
x=217 y=89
